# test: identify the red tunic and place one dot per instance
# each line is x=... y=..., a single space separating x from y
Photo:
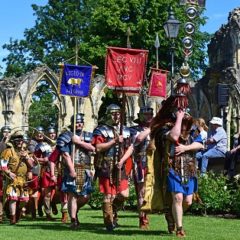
x=105 y=186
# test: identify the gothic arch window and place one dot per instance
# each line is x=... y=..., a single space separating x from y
x=43 y=110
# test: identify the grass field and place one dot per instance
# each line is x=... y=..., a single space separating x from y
x=207 y=228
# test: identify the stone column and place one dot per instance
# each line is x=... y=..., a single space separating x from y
x=9 y=94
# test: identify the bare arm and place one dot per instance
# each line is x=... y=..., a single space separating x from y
x=235 y=149
x=30 y=162
x=102 y=147
x=68 y=161
x=210 y=141
x=126 y=155
x=175 y=132
x=78 y=141
x=41 y=160
x=191 y=147
x=52 y=170
x=142 y=135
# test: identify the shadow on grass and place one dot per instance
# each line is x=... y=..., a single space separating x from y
x=131 y=232
x=120 y=216
x=97 y=228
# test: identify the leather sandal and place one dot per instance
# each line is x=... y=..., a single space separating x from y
x=180 y=233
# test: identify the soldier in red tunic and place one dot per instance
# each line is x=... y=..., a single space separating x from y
x=113 y=149
x=41 y=174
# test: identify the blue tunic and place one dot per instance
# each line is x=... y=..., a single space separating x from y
x=174 y=184
x=69 y=184
x=64 y=144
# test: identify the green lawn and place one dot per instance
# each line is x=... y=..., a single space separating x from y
x=198 y=228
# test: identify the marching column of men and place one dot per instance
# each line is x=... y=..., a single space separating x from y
x=51 y=169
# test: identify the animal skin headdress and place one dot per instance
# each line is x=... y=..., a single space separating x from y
x=182 y=92
x=179 y=100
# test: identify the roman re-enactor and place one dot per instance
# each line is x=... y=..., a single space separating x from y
x=5 y=135
x=56 y=194
x=113 y=148
x=41 y=174
x=15 y=164
x=172 y=170
x=57 y=167
x=142 y=139
x=48 y=186
x=77 y=174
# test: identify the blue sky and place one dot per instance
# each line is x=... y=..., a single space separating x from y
x=217 y=12
x=17 y=15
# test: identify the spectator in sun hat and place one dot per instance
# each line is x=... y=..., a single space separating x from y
x=216 y=144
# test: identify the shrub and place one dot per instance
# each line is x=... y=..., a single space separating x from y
x=96 y=199
x=216 y=194
x=236 y=196
x=131 y=202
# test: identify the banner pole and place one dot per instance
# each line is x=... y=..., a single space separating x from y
x=157 y=45
x=74 y=106
x=124 y=99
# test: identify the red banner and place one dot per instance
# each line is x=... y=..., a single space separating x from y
x=125 y=69
x=158 y=83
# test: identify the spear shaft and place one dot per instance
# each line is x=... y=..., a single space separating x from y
x=157 y=45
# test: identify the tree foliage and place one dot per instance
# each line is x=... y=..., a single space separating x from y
x=43 y=112
x=97 y=24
